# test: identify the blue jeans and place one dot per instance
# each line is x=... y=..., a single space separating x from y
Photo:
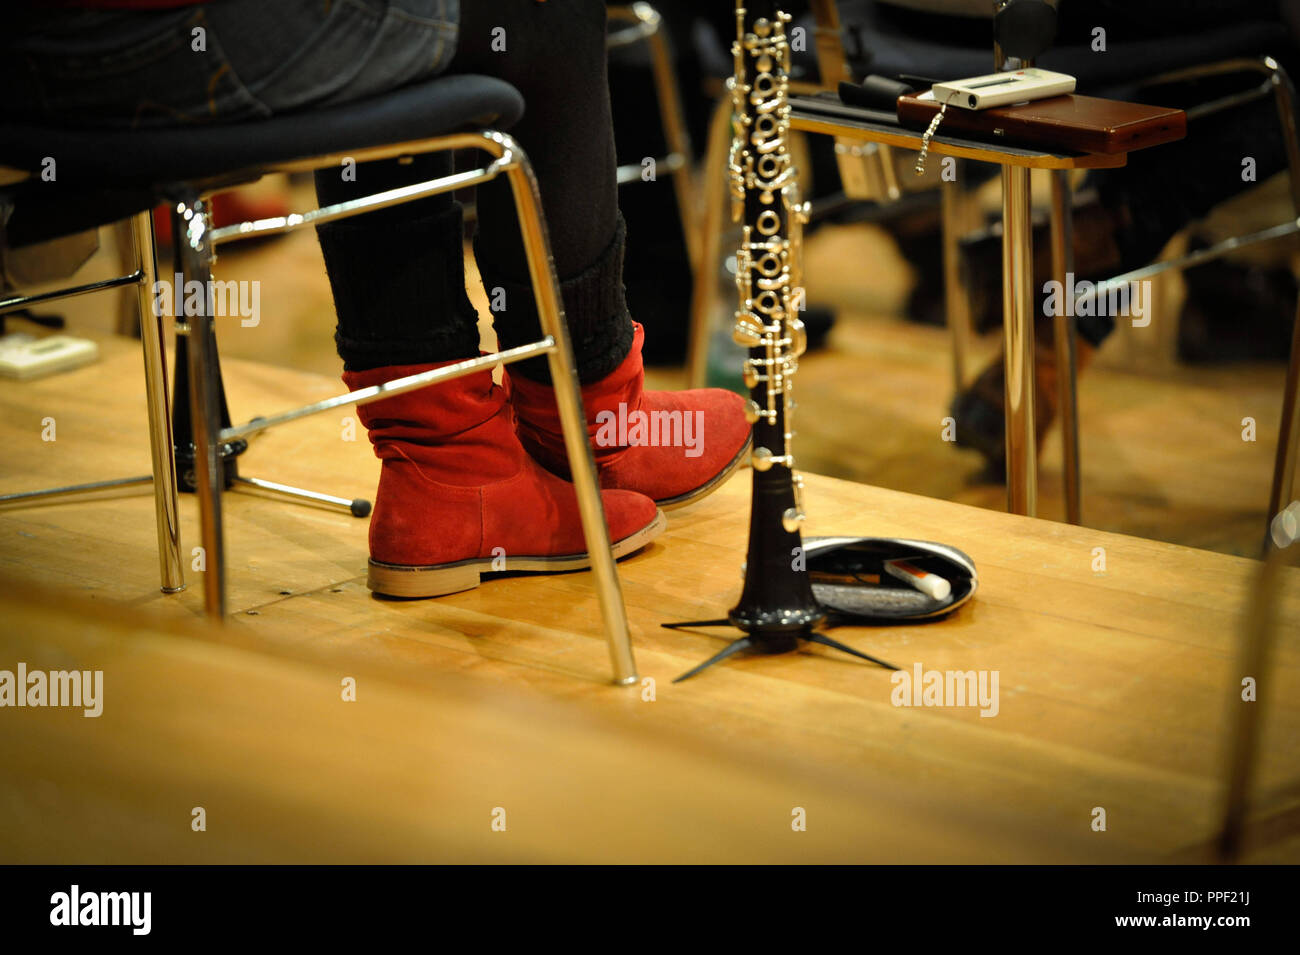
x=224 y=61
x=396 y=274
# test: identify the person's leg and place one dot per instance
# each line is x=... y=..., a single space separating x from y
x=1161 y=191
x=554 y=53
x=457 y=491
x=458 y=495
x=218 y=62
x=398 y=274
x=1158 y=192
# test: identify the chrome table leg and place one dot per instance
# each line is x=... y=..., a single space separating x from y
x=1067 y=378
x=1018 y=341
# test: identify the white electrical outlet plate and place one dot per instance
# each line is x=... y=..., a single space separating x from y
x=1003 y=89
x=24 y=356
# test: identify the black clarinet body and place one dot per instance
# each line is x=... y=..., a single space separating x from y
x=776 y=605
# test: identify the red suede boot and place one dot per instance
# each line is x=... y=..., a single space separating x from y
x=459 y=497
x=673 y=446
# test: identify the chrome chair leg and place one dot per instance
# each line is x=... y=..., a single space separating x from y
x=1018 y=341
x=1067 y=377
x=1256 y=656
x=704 y=293
x=190 y=226
x=568 y=397
x=956 y=294
x=163 y=478
x=1254 y=653
x=166 y=505
x=1288 y=439
x=648 y=28
x=1284 y=98
x=671 y=117
x=73 y=491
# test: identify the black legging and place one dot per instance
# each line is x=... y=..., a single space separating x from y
x=387 y=268
x=396 y=274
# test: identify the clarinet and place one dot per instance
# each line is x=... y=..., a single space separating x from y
x=777 y=604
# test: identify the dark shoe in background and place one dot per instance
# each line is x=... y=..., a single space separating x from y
x=1096 y=256
x=978 y=411
x=1236 y=312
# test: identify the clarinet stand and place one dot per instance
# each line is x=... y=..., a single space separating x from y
x=763 y=640
x=777 y=609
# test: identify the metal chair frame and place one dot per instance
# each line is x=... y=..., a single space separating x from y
x=508 y=159
x=196 y=242
x=166 y=477
x=157 y=399
x=646 y=26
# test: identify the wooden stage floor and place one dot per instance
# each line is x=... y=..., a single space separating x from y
x=493 y=704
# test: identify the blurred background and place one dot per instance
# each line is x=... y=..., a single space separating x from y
x=1161 y=407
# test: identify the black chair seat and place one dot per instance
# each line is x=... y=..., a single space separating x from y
x=134 y=156
x=103 y=175
x=878 y=45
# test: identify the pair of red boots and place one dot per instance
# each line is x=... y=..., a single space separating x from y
x=474 y=476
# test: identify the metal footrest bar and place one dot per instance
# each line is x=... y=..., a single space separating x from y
x=1191 y=259
x=632 y=171
x=357 y=506
x=15 y=303
x=395 y=387
x=75 y=490
x=342 y=210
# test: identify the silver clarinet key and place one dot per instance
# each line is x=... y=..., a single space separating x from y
x=926 y=137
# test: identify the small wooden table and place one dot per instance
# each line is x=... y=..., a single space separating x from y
x=823 y=114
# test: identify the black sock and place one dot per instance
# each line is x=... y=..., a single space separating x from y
x=600 y=326
x=399 y=290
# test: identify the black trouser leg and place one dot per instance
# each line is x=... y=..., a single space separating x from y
x=555 y=54
x=398 y=274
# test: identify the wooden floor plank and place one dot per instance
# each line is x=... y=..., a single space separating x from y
x=1114 y=685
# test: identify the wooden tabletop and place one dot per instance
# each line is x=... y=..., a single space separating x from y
x=808 y=115
x=1115 y=684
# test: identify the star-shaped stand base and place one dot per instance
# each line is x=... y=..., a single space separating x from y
x=766 y=643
